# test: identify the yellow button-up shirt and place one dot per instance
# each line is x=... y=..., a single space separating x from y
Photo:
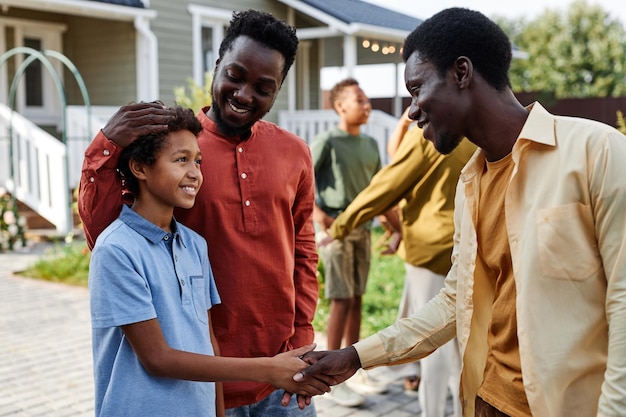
x=565 y=210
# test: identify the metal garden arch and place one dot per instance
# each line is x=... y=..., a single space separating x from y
x=43 y=57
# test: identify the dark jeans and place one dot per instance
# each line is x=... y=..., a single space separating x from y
x=484 y=409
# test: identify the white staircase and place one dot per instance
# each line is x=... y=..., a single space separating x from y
x=41 y=171
x=38 y=169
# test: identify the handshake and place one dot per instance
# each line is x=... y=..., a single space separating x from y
x=315 y=371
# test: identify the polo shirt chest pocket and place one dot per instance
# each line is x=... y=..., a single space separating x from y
x=566 y=242
x=199 y=297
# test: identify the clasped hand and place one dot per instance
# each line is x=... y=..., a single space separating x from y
x=327 y=367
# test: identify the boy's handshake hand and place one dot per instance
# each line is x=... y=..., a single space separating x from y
x=286 y=364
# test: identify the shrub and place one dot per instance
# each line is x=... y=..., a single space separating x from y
x=12 y=224
x=67 y=263
x=195 y=96
x=621 y=123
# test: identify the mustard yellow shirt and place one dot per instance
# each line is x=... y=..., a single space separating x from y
x=423 y=182
x=565 y=211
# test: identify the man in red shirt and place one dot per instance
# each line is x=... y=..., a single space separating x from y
x=255 y=208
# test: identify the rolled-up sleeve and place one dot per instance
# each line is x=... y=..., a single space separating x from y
x=100 y=190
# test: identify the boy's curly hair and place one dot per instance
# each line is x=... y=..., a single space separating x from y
x=146 y=148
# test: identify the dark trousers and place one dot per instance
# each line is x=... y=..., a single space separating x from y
x=484 y=409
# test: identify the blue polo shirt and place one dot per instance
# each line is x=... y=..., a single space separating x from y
x=139 y=272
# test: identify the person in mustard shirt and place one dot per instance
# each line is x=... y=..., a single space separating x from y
x=536 y=295
x=422 y=182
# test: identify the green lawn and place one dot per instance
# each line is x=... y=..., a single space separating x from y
x=70 y=264
x=381 y=299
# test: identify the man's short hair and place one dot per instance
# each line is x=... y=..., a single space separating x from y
x=457 y=32
x=266 y=29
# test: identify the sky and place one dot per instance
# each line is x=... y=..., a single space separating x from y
x=378 y=81
x=527 y=8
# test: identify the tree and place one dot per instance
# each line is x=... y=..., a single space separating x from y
x=579 y=53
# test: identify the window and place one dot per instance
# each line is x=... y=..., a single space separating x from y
x=33 y=76
x=37 y=95
x=209 y=25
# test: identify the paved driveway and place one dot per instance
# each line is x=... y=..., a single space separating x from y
x=45 y=351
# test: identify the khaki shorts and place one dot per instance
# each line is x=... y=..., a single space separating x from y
x=347 y=264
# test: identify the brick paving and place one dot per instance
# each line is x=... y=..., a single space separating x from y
x=45 y=351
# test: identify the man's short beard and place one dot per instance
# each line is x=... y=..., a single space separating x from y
x=227 y=130
x=445 y=143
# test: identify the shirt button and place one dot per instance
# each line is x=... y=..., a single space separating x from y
x=247 y=203
x=176 y=258
x=240 y=149
x=106 y=152
x=244 y=175
x=182 y=282
x=92 y=179
x=166 y=237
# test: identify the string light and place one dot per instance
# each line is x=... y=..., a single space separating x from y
x=374 y=46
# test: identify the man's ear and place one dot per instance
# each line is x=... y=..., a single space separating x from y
x=463 y=70
x=138 y=169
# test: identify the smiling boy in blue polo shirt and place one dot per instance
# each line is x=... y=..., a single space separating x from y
x=151 y=289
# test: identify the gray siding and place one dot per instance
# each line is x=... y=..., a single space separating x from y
x=104 y=53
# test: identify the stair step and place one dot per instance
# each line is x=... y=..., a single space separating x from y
x=37 y=225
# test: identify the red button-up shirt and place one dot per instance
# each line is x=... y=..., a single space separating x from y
x=255 y=211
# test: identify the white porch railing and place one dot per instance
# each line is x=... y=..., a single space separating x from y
x=79 y=133
x=44 y=171
x=39 y=169
x=308 y=123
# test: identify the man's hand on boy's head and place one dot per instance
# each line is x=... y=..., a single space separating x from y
x=137 y=119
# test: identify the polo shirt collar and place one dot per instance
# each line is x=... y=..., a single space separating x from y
x=146 y=228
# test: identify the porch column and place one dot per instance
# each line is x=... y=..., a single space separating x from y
x=147 y=61
x=349 y=54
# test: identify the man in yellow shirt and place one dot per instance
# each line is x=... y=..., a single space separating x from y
x=536 y=295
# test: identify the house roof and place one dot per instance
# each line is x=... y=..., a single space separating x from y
x=356 y=11
x=129 y=3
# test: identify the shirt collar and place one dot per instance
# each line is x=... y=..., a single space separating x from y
x=146 y=228
x=539 y=127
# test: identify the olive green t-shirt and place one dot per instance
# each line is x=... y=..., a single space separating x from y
x=344 y=165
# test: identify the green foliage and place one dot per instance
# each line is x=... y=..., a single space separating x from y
x=67 y=263
x=580 y=52
x=12 y=224
x=382 y=297
x=621 y=123
x=194 y=96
